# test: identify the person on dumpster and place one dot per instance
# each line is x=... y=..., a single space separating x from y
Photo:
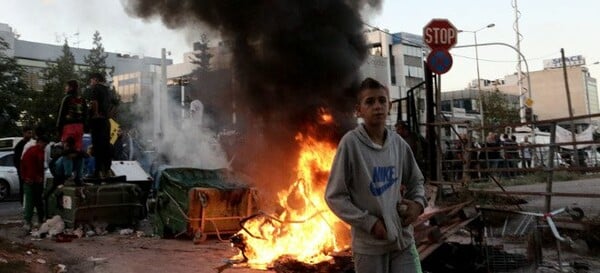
x=100 y=125
x=70 y=124
x=371 y=165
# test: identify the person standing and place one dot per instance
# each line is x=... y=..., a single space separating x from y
x=32 y=173
x=527 y=152
x=70 y=124
x=17 y=152
x=371 y=166
x=100 y=125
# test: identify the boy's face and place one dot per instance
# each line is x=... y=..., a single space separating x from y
x=373 y=106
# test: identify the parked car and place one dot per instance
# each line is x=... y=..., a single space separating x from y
x=9 y=143
x=9 y=180
x=592 y=158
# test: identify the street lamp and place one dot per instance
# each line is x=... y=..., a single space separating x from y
x=478 y=77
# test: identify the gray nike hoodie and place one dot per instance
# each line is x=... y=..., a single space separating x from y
x=364 y=185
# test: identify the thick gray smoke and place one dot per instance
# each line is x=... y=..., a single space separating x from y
x=291 y=58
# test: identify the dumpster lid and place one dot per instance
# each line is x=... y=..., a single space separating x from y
x=131 y=169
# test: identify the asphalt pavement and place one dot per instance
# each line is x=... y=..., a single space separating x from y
x=590 y=206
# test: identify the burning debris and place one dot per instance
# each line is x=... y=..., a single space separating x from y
x=305 y=228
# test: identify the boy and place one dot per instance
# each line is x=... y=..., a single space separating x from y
x=364 y=188
x=32 y=173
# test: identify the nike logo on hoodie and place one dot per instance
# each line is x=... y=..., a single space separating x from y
x=383 y=179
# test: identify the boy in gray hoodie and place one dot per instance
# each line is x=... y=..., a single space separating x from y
x=371 y=165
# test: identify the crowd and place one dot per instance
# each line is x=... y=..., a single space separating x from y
x=499 y=155
x=71 y=159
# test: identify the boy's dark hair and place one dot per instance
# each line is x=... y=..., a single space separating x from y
x=43 y=138
x=369 y=83
x=73 y=85
x=97 y=76
x=27 y=128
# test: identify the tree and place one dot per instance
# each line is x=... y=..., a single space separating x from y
x=14 y=93
x=44 y=106
x=95 y=61
x=498 y=109
x=202 y=58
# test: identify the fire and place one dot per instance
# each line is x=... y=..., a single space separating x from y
x=326 y=117
x=304 y=231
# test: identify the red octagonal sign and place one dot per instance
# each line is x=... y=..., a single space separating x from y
x=440 y=34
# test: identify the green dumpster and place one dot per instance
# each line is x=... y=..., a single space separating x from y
x=198 y=202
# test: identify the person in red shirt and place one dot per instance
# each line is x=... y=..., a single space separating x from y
x=32 y=173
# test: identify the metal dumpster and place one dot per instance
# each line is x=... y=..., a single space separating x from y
x=115 y=204
x=198 y=203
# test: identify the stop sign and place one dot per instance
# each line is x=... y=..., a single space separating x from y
x=440 y=34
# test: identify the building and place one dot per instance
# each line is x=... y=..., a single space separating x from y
x=463 y=105
x=548 y=91
x=132 y=74
x=396 y=60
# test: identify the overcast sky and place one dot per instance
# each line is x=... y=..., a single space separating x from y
x=546 y=26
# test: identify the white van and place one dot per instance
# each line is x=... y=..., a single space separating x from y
x=9 y=143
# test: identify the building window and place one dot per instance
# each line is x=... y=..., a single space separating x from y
x=446 y=106
x=412 y=81
x=412 y=61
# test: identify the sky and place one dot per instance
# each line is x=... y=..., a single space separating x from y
x=546 y=26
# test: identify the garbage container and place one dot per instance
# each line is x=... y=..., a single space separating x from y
x=199 y=202
x=116 y=204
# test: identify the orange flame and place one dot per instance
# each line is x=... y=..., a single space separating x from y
x=326 y=117
x=304 y=231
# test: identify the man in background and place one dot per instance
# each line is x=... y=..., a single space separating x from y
x=17 y=152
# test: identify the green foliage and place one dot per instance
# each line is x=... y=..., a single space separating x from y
x=14 y=93
x=95 y=61
x=44 y=105
x=498 y=109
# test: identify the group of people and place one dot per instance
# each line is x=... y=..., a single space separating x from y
x=76 y=114
x=499 y=154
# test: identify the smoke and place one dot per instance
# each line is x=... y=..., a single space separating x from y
x=184 y=140
x=291 y=59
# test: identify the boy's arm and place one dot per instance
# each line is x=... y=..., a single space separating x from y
x=337 y=194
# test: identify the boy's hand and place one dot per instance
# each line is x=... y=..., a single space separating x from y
x=379 y=230
x=410 y=211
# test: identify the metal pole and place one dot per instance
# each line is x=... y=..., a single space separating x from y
x=182 y=98
x=429 y=89
x=550 y=167
x=481 y=114
x=573 y=137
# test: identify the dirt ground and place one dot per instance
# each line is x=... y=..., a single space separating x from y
x=110 y=253
x=115 y=253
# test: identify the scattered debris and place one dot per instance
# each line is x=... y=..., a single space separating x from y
x=41 y=261
x=51 y=227
x=126 y=231
x=60 y=268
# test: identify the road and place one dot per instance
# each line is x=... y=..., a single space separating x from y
x=590 y=206
x=8 y=209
